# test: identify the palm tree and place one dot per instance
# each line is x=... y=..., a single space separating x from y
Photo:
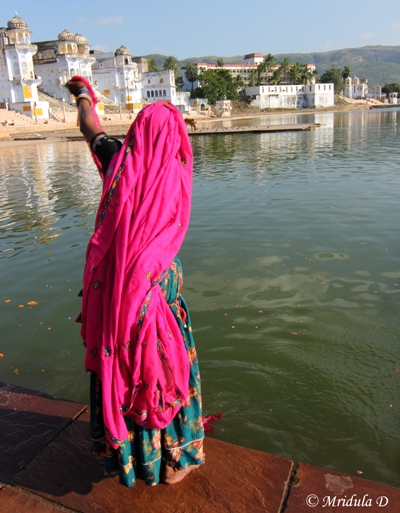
x=285 y=67
x=306 y=75
x=260 y=70
x=191 y=73
x=252 y=79
x=295 y=73
x=152 y=65
x=269 y=62
x=171 y=63
x=276 y=76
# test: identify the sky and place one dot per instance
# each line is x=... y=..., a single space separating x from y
x=223 y=28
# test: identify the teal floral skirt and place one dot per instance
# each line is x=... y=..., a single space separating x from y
x=145 y=451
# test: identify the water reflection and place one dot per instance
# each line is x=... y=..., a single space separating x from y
x=39 y=188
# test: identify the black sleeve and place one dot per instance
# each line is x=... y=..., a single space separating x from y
x=104 y=147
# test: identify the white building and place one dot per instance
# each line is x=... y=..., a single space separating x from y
x=355 y=88
x=223 y=108
x=159 y=85
x=292 y=96
x=183 y=102
x=253 y=58
x=18 y=83
x=116 y=76
x=376 y=93
x=59 y=60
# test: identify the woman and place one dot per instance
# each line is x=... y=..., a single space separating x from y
x=145 y=384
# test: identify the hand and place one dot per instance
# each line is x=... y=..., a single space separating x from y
x=74 y=86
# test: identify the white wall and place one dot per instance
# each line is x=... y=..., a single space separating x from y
x=292 y=96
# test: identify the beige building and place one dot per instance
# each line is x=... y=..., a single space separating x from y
x=245 y=70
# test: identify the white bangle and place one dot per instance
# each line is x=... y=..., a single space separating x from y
x=85 y=96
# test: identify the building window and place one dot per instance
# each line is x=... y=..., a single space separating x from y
x=148 y=94
x=161 y=80
x=148 y=81
x=165 y=92
x=24 y=69
x=156 y=93
x=152 y=94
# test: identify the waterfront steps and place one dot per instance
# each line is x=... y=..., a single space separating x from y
x=46 y=468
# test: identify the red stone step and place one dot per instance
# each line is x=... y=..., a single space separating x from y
x=29 y=420
x=15 y=500
x=318 y=490
x=44 y=451
x=234 y=479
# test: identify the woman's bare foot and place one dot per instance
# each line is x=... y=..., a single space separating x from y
x=171 y=476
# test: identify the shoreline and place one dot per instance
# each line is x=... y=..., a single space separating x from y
x=20 y=135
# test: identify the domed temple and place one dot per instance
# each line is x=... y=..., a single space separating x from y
x=60 y=59
x=116 y=76
x=18 y=82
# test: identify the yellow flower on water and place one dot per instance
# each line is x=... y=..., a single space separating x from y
x=20 y=306
x=32 y=303
x=7 y=301
x=1 y=355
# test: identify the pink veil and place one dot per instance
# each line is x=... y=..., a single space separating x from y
x=132 y=339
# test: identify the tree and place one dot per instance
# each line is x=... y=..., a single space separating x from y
x=333 y=75
x=285 y=67
x=295 y=73
x=179 y=82
x=307 y=75
x=152 y=64
x=218 y=84
x=269 y=62
x=191 y=73
x=391 y=88
x=276 y=76
x=259 y=72
x=346 y=72
x=171 y=63
x=264 y=67
x=220 y=62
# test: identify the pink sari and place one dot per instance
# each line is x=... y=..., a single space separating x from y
x=132 y=339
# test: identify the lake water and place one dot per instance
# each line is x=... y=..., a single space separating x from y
x=292 y=276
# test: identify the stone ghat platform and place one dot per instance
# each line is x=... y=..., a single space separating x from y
x=252 y=129
x=46 y=468
x=119 y=132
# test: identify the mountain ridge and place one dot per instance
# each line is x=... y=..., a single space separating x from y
x=378 y=63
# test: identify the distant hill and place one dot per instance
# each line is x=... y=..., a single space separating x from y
x=379 y=64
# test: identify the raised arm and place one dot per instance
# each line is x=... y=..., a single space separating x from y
x=85 y=117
